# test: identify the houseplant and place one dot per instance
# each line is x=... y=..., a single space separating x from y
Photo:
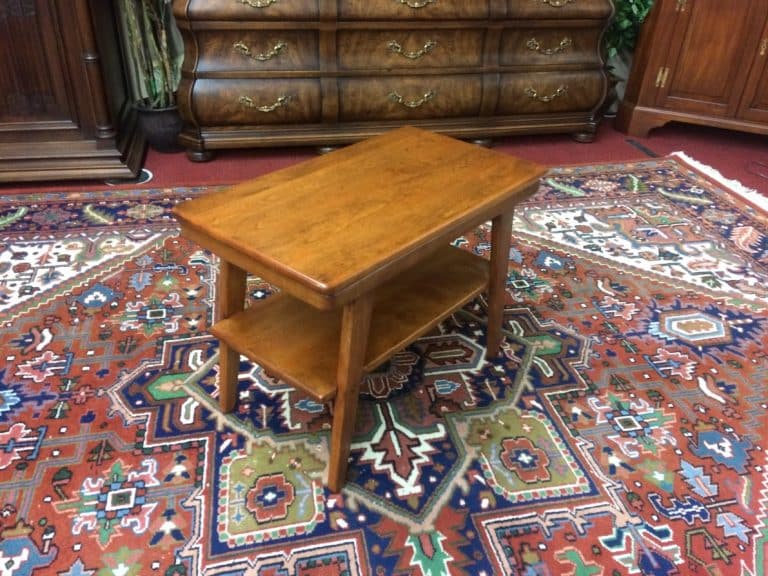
x=622 y=33
x=620 y=39
x=153 y=54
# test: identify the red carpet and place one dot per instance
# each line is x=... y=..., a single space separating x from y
x=621 y=430
x=733 y=153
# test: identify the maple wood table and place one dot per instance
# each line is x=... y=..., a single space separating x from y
x=358 y=241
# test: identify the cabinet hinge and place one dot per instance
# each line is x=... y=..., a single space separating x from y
x=681 y=5
x=661 y=77
x=764 y=47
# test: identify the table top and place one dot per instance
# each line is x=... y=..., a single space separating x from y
x=332 y=227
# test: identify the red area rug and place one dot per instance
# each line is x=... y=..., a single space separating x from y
x=621 y=431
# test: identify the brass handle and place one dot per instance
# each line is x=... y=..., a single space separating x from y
x=395 y=47
x=248 y=102
x=661 y=77
x=535 y=46
x=557 y=3
x=258 y=3
x=562 y=90
x=397 y=98
x=417 y=3
x=764 y=47
x=243 y=49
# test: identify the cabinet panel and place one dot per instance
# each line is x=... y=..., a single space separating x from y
x=559 y=8
x=64 y=108
x=257 y=50
x=543 y=92
x=404 y=48
x=412 y=9
x=754 y=106
x=408 y=98
x=701 y=76
x=32 y=82
x=699 y=62
x=549 y=46
x=249 y=10
x=246 y=101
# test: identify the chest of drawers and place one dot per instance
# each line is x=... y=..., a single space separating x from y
x=328 y=72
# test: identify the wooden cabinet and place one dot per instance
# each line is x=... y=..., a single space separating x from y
x=326 y=72
x=754 y=103
x=64 y=112
x=701 y=62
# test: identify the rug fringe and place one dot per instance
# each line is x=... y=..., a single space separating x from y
x=749 y=194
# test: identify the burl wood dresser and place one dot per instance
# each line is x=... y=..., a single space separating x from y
x=328 y=72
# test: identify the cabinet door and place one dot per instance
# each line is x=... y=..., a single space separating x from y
x=754 y=105
x=701 y=75
x=32 y=83
x=64 y=108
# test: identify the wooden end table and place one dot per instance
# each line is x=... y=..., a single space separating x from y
x=358 y=241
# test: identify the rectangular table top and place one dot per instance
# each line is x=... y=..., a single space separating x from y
x=337 y=225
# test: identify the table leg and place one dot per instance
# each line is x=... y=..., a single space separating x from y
x=500 y=242
x=230 y=300
x=355 y=322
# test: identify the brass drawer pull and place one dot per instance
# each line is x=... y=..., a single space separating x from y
x=258 y=3
x=398 y=99
x=242 y=48
x=557 y=3
x=535 y=46
x=417 y=3
x=396 y=48
x=531 y=92
x=248 y=102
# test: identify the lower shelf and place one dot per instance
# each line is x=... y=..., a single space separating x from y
x=300 y=343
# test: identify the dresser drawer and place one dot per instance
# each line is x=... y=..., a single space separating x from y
x=409 y=97
x=248 y=9
x=247 y=102
x=412 y=9
x=364 y=49
x=545 y=46
x=543 y=92
x=251 y=50
x=559 y=8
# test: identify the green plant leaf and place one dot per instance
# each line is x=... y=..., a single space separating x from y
x=622 y=32
x=153 y=51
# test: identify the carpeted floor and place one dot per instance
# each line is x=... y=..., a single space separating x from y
x=622 y=430
x=738 y=155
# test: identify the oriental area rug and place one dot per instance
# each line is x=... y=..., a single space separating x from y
x=621 y=430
